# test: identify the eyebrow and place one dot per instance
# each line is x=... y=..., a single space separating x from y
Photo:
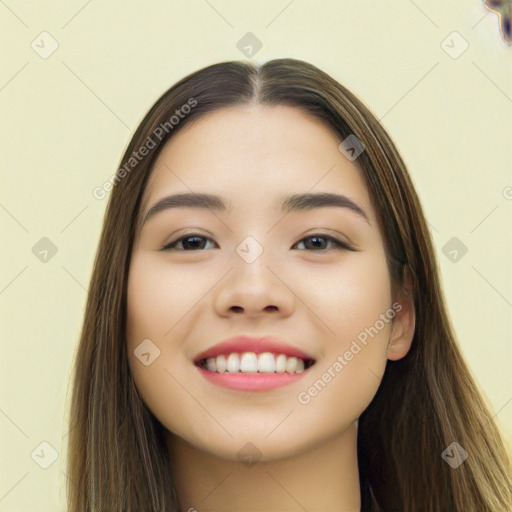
x=294 y=202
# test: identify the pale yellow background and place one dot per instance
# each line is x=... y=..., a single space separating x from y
x=67 y=119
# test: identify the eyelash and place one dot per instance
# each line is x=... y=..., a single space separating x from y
x=340 y=245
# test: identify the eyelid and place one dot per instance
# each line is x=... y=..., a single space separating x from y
x=329 y=233
x=178 y=235
x=336 y=236
x=339 y=242
x=190 y=233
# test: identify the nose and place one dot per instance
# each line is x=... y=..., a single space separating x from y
x=254 y=289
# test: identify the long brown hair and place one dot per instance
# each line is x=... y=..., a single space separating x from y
x=117 y=459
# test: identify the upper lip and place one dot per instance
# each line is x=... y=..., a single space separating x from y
x=242 y=344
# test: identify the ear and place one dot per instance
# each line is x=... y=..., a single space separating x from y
x=404 y=321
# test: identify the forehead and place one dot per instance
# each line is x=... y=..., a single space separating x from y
x=253 y=153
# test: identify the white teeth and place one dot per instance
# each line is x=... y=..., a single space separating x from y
x=280 y=363
x=291 y=364
x=221 y=364
x=266 y=363
x=249 y=362
x=294 y=365
x=233 y=364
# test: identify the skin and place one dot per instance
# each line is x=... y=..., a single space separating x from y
x=185 y=301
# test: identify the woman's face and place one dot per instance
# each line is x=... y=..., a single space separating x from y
x=256 y=270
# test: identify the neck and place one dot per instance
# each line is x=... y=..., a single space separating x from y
x=325 y=477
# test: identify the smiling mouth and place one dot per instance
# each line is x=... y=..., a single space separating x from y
x=252 y=363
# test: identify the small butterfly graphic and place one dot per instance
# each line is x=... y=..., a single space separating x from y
x=503 y=8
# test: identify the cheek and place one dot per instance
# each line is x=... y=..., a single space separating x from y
x=350 y=298
x=358 y=311
x=160 y=310
x=153 y=308
x=157 y=298
x=365 y=324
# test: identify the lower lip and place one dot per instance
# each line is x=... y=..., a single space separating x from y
x=251 y=381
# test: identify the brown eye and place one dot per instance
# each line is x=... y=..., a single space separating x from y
x=187 y=243
x=318 y=242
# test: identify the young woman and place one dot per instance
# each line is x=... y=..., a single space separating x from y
x=265 y=328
